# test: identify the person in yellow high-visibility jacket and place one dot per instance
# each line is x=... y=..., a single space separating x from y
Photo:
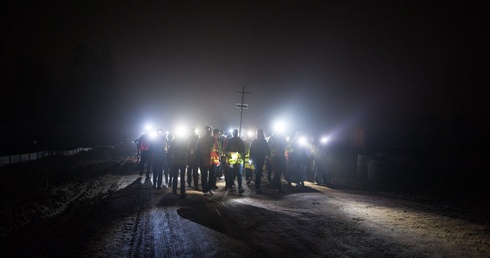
x=235 y=155
x=249 y=166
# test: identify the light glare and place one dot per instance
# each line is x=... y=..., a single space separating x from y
x=302 y=140
x=250 y=133
x=325 y=139
x=279 y=127
x=153 y=134
x=181 y=131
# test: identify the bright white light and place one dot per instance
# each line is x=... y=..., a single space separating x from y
x=325 y=139
x=148 y=127
x=279 y=127
x=153 y=134
x=250 y=133
x=287 y=139
x=302 y=140
x=181 y=131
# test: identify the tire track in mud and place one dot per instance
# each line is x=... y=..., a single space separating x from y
x=152 y=229
x=137 y=221
x=134 y=243
x=106 y=221
x=64 y=234
x=159 y=231
x=141 y=243
x=128 y=231
x=92 y=219
x=162 y=232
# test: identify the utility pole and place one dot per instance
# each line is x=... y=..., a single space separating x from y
x=241 y=106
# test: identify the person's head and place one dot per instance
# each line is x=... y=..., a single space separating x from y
x=160 y=131
x=208 y=130
x=170 y=137
x=260 y=134
x=235 y=133
x=216 y=133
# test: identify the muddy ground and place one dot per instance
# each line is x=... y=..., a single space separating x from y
x=95 y=204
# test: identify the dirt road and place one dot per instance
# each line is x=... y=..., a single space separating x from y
x=119 y=214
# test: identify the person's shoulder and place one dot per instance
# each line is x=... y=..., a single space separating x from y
x=207 y=139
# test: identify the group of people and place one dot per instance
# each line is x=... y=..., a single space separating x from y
x=164 y=157
x=212 y=155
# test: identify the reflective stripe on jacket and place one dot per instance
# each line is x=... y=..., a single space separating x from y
x=234 y=158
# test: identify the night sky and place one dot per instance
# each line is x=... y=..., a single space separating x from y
x=108 y=67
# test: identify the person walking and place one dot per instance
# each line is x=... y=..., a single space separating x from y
x=216 y=154
x=168 y=176
x=235 y=155
x=248 y=166
x=297 y=159
x=277 y=145
x=177 y=161
x=192 y=162
x=220 y=170
x=157 y=152
x=204 y=148
x=143 y=144
x=259 y=150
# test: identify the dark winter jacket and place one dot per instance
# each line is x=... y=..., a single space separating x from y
x=157 y=149
x=177 y=152
x=259 y=149
x=203 y=150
